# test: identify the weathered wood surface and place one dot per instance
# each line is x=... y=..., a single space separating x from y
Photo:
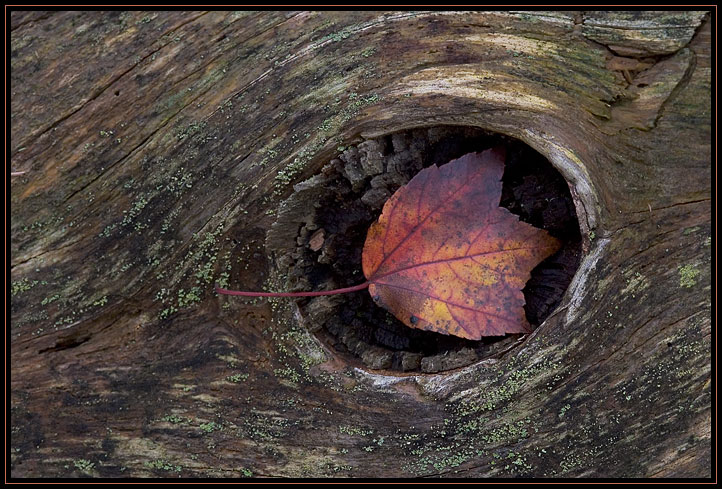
x=157 y=147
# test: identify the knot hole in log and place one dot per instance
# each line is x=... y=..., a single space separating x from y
x=318 y=238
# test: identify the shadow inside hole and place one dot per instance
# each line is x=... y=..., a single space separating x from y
x=356 y=186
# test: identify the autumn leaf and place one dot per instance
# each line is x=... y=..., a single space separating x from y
x=445 y=257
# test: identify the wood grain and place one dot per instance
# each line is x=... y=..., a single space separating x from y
x=156 y=148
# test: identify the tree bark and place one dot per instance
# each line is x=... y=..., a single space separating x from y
x=156 y=148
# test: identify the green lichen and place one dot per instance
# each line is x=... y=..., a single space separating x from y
x=146 y=19
x=179 y=182
x=518 y=464
x=107 y=230
x=165 y=227
x=344 y=33
x=190 y=297
x=167 y=312
x=85 y=466
x=496 y=397
x=688 y=276
x=22 y=285
x=287 y=373
x=210 y=427
x=200 y=261
x=49 y=300
x=268 y=154
x=355 y=430
x=329 y=126
x=484 y=418
x=237 y=378
x=356 y=103
x=190 y=129
x=262 y=427
x=138 y=205
x=175 y=419
x=286 y=175
x=564 y=410
x=161 y=464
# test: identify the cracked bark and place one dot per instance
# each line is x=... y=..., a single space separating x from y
x=132 y=206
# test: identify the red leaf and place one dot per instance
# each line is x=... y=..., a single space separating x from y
x=445 y=257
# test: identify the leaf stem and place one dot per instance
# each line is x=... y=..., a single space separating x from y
x=294 y=294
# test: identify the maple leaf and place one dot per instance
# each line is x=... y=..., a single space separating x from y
x=444 y=257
